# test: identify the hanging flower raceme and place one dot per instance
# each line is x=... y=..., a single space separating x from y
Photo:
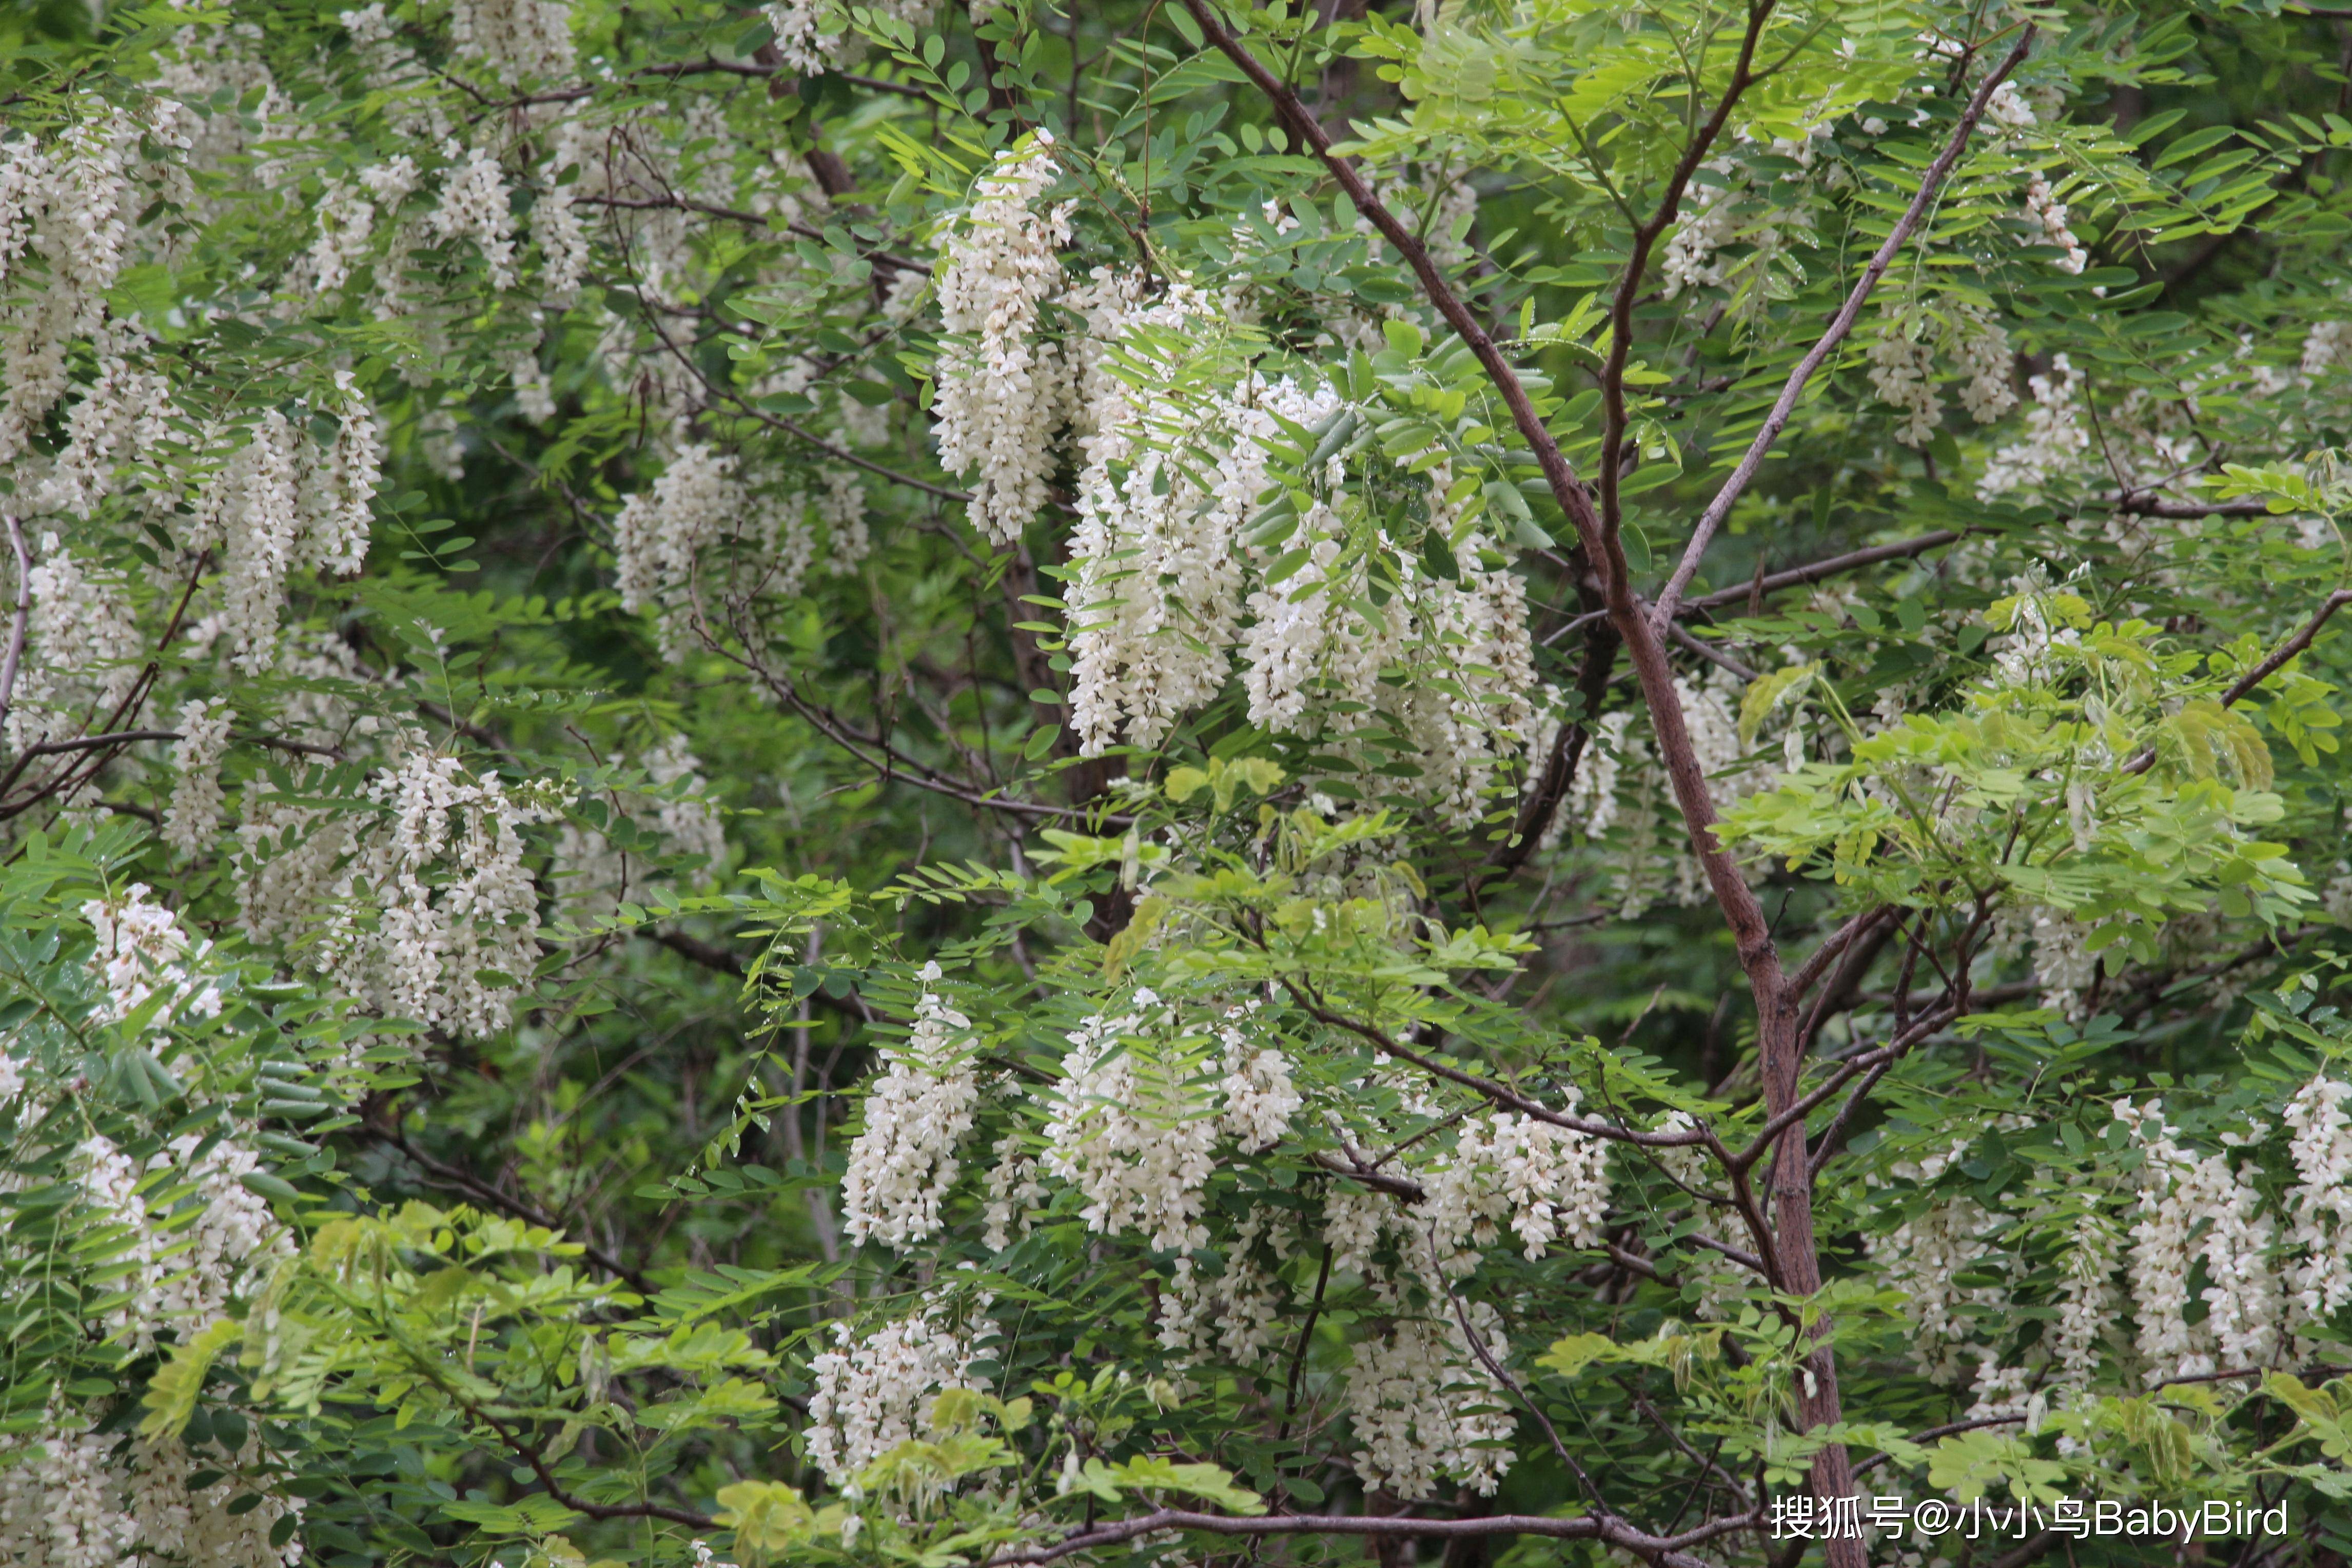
x=1001 y=385
x=424 y=909
x=144 y=953
x=917 y=1114
x=873 y=1393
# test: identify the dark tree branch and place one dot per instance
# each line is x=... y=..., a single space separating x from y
x=750 y=220
x=393 y=1136
x=1671 y=1550
x=1783 y=406
x=2280 y=656
x=16 y=650
x=1614 y=418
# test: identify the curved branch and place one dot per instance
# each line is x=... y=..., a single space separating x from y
x=1501 y=1094
x=8 y=661
x=1614 y=418
x=2280 y=656
x=1784 y=405
x=1669 y=1548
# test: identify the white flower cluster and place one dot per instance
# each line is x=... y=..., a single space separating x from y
x=660 y=534
x=592 y=876
x=1422 y=1407
x=2319 y=1235
x=2048 y=215
x=1316 y=651
x=2325 y=346
x=281 y=505
x=1158 y=586
x=1545 y=1181
x=195 y=813
x=872 y=1395
x=1130 y=1135
x=1259 y=1097
x=123 y=417
x=812 y=36
x=1129 y=1131
x=61 y=1500
x=1708 y=223
x=686 y=814
x=82 y=647
x=1011 y=1186
x=2268 y=1274
x=474 y=206
x=1240 y=1313
x=999 y=382
x=210 y=1252
x=2055 y=436
x=702 y=526
x=2063 y=959
x=2086 y=1300
x=2193 y=1209
x=71 y=206
x=71 y=1497
x=2011 y=117
x=1902 y=372
x=1172 y=442
x=425 y=911
x=142 y=954
x=515 y=40
x=1924 y=1257
x=1903 y=366
x=227 y=1523
x=917 y=1114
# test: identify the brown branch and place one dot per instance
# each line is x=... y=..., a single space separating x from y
x=2279 y=659
x=1932 y=1433
x=1813 y=572
x=1714 y=655
x=1502 y=1095
x=709 y=955
x=1669 y=1548
x=392 y=1135
x=1550 y=789
x=2148 y=503
x=599 y=1510
x=1614 y=418
x=2286 y=650
x=1795 y=1253
x=8 y=660
x=1785 y=406
x=25 y=758
x=1860 y=926
x=1793 y=1114
x=1402 y=1187
x=752 y=220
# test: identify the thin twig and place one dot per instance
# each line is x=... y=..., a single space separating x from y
x=2254 y=678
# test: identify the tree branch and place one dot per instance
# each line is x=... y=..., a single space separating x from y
x=2245 y=684
x=1614 y=418
x=506 y=1202
x=8 y=660
x=1783 y=406
x=1668 y=1549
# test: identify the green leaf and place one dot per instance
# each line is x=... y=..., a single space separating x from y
x=171 y=1392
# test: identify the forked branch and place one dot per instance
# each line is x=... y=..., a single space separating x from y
x=1931 y=185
